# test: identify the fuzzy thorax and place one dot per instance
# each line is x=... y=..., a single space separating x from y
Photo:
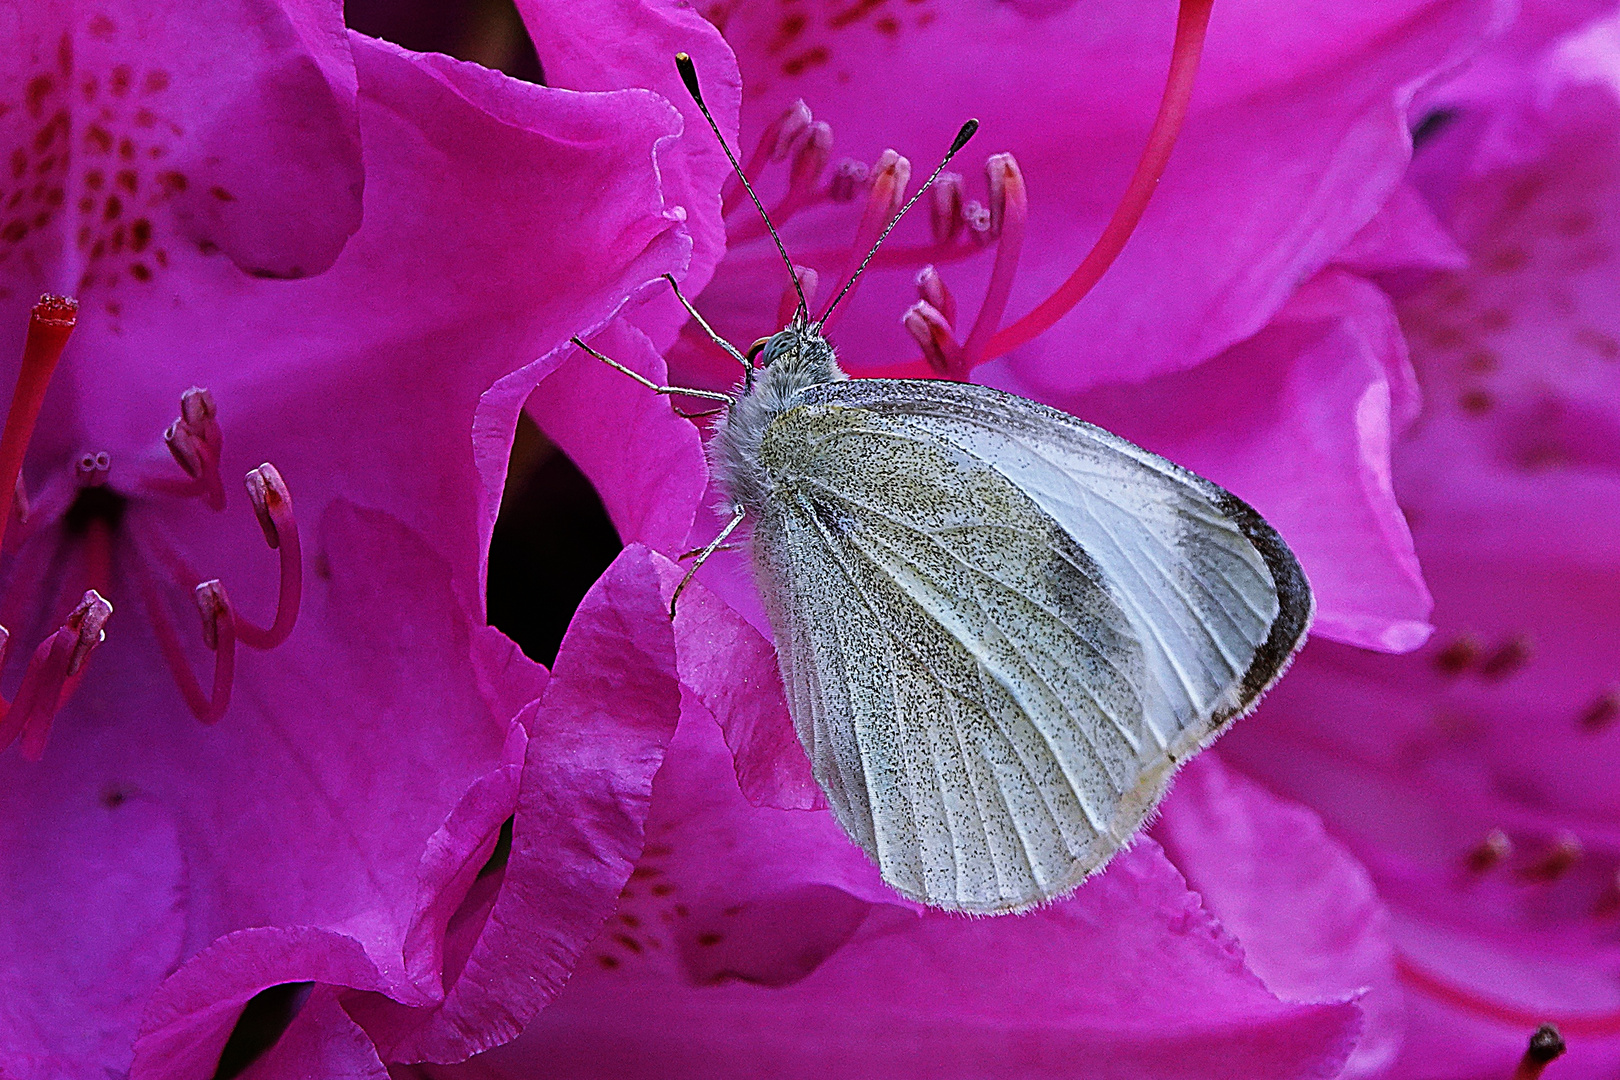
x=795 y=359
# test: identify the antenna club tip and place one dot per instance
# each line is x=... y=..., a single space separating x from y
x=962 y=137
x=688 y=70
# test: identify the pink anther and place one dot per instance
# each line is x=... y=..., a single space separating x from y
x=196 y=441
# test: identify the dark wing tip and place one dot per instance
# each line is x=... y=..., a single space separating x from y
x=1295 y=601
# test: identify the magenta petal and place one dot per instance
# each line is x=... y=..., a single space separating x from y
x=1296 y=136
x=500 y=218
x=190 y=1017
x=732 y=669
x=623 y=44
x=1405 y=235
x=594 y=744
x=455 y=858
x=321 y=1043
x=1311 y=923
x=1297 y=421
x=252 y=151
x=63 y=956
x=646 y=462
x=1129 y=978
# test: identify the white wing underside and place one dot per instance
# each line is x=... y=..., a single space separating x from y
x=1001 y=630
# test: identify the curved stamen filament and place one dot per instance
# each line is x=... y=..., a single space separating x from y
x=1009 y=210
x=272 y=502
x=217 y=624
x=773 y=145
x=1191 y=24
x=890 y=176
x=52 y=676
x=50 y=325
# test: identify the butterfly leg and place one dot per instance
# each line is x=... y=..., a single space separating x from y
x=684 y=415
x=683 y=556
x=708 y=395
x=703 y=556
x=714 y=335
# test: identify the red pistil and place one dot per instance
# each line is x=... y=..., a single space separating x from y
x=1458 y=997
x=1191 y=24
x=49 y=327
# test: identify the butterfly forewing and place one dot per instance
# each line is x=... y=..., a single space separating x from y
x=996 y=639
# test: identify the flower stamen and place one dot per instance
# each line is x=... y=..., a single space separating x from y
x=945 y=209
x=890 y=176
x=272 y=502
x=218 y=633
x=196 y=441
x=774 y=144
x=804 y=175
x=1009 y=210
x=932 y=331
x=809 y=281
x=53 y=674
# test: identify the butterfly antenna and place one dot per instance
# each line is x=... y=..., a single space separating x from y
x=961 y=140
x=688 y=70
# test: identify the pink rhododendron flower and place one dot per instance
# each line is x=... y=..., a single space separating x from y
x=1287 y=153
x=1477 y=778
x=753 y=941
x=753 y=938
x=321 y=803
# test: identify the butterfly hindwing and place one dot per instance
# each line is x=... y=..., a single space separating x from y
x=976 y=630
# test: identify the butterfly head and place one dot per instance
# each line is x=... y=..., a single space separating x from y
x=797 y=353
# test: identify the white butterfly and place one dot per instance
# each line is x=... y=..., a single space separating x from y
x=1000 y=629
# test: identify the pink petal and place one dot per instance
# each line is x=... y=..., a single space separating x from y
x=62 y=956
x=252 y=152
x=732 y=669
x=347 y=748
x=646 y=462
x=595 y=741
x=1405 y=235
x=1129 y=978
x=621 y=44
x=1295 y=139
x=191 y=1016
x=1243 y=849
x=320 y=1042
